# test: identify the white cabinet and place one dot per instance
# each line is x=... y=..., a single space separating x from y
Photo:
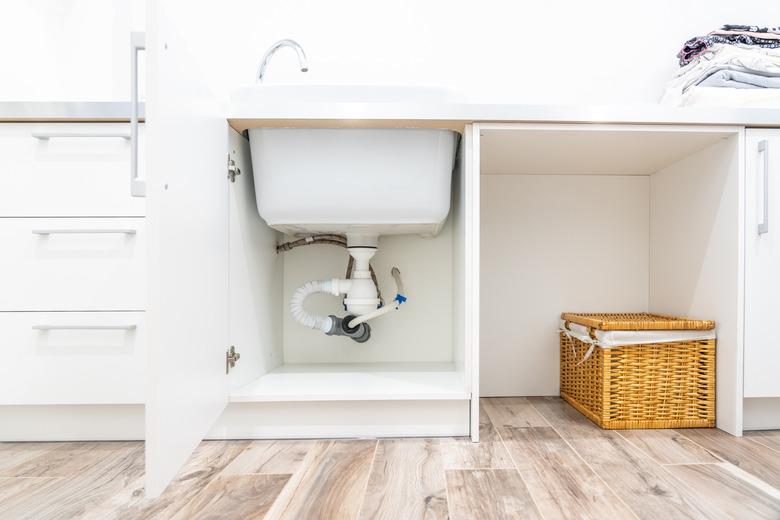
x=762 y=263
x=67 y=170
x=72 y=264
x=71 y=358
x=73 y=278
x=603 y=217
x=215 y=280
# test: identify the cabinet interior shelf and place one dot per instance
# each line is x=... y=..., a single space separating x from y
x=356 y=382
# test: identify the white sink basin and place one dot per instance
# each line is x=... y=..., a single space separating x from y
x=280 y=93
x=371 y=181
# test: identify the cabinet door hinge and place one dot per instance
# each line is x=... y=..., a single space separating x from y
x=232 y=169
x=231 y=357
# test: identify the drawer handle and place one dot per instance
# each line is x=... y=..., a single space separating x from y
x=84 y=327
x=45 y=136
x=83 y=231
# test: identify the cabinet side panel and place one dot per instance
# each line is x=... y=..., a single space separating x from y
x=472 y=255
x=695 y=257
x=457 y=218
x=255 y=277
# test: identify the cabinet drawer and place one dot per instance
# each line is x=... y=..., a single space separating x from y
x=68 y=264
x=71 y=357
x=67 y=170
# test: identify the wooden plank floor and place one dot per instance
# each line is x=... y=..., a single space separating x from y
x=538 y=459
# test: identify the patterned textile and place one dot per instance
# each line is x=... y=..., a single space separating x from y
x=759 y=35
x=697 y=46
x=751 y=28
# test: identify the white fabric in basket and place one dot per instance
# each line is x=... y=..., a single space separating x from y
x=618 y=338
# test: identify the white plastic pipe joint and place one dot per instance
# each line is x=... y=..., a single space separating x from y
x=362 y=296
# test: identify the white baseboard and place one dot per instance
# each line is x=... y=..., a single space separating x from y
x=761 y=413
x=343 y=419
x=301 y=420
x=72 y=422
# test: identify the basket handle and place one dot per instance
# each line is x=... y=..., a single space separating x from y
x=567 y=332
x=587 y=355
x=592 y=342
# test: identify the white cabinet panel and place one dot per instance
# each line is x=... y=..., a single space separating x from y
x=67 y=170
x=71 y=358
x=187 y=203
x=256 y=277
x=762 y=263
x=70 y=264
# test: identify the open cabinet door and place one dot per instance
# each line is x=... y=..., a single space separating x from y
x=187 y=208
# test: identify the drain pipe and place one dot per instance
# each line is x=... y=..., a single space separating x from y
x=330 y=325
x=300 y=314
x=397 y=301
x=362 y=300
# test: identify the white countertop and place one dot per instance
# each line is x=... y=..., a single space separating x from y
x=67 y=111
x=455 y=115
x=447 y=115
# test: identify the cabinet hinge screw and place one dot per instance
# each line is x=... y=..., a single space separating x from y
x=231 y=357
x=232 y=169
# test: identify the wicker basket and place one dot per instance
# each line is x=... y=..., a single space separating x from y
x=648 y=385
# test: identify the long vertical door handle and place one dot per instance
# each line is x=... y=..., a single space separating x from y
x=137 y=44
x=763 y=150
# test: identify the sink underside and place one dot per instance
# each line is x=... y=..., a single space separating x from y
x=367 y=181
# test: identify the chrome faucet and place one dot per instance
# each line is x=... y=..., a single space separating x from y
x=272 y=50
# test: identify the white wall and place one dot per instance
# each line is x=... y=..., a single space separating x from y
x=552 y=244
x=603 y=51
x=67 y=50
x=569 y=51
x=419 y=331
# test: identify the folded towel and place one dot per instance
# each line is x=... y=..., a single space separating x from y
x=730 y=97
x=730 y=57
x=730 y=78
x=765 y=62
x=742 y=62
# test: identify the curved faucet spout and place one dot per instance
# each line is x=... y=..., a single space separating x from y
x=272 y=50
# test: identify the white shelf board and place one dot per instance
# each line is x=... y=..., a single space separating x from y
x=590 y=149
x=356 y=382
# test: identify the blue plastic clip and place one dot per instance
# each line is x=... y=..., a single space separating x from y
x=400 y=298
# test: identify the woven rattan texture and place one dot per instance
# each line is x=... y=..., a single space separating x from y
x=636 y=321
x=661 y=385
